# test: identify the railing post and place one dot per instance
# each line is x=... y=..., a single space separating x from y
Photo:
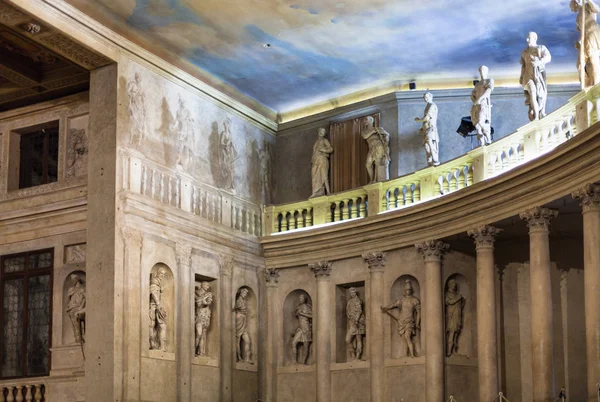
x=479 y=164
x=531 y=147
x=185 y=193
x=227 y=210
x=427 y=184
x=321 y=209
x=134 y=181
x=374 y=194
x=268 y=220
x=583 y=113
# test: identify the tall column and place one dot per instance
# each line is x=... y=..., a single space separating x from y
x=226 y=331
x=432 y=252
x=185 y=342
x=376 y=263
x=542 y=356
x=486 y=312
x=322 y=270
x=590 y=202
x=271 y=279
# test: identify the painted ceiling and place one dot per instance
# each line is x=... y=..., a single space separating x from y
x=322 y=49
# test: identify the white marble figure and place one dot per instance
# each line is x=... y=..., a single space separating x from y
x=77 y=153
x=356 y=327
x=378 y=158
x=429 y=131
x=158 y=315
x=320 y=165
x=76 y=307
x=227 y=156
x=481 y=111
x=183 y=128
x=409 y=321
x=137 y=111
x=243 y=343
x=303 y=333
x=533 y=76
x=591 y=39
x=203 y=298
x=455 y=303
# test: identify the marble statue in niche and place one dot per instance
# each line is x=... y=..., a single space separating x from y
x=137 y=110
x=158 y=315
x=76 y=306
x=589 y=59
x=429 y=131
x=320 y=165
x=77 y=153
x=264 y=159
x=243 y=343
x=378 y=157
x=227 y=156
x=183 y=128
x=455 y=303
x=303 y=333
x=481 y=111
x=533 y=76
x=203 y=298
x=356 y=325
x=409 y=321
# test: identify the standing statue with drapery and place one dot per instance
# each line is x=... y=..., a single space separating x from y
x=320 y=165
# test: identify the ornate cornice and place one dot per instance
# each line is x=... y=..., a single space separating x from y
x=321 y=269
x=538 y=218
x=226 y=266
x=375 y=260
x=271 y=276
x=432 y=250
x=484 y=236
x=589 y=196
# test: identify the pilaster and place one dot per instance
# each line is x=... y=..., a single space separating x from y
x=322 y=270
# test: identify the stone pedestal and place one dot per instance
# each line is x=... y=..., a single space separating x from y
x=542 y=356
x=322 y=270
x=486 y=312
x=590 y=202
x=227 y=347
x=432 y=252
x=270 y=378
x=375 y=336
x=185 y=344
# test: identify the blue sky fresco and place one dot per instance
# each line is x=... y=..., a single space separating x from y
x=323 y=49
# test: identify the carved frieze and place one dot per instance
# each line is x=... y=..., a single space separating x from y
x=74 y=51
x=75 y=254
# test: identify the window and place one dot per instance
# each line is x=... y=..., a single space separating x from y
x=38 y=160
x=25 y=314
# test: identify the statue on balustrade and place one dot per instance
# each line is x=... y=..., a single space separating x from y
x=378 y=158
x=227 y=156
x=158 y=315
x=589 y=56
x=455 y=303
x=320 y=165
x=409 y=321
x=243 y=343
x=203 y=298
x=303 y=333
x=481 y=111
x=356 y=324
x=76 y=307
x=429 y=131
x=533 y=76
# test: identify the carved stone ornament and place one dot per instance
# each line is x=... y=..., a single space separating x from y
x=432 y=249
x=321 y=269
x=75 y=254
x=538 y=218
x=589 y=196
x=184 y=254
x=271 y=276
x=484 y=236
x=226 y=264
x=76 y=305
x=203 y=299
x=32 y=28
x=375 y=260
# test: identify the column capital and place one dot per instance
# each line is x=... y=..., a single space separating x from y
x=484 y=236
x=226 y=264
x=132 y=236
x=589 y=196
x=375 y=260
x=271 y=276
x=432 y=250
x=538 y=218
x=321 y=269
x=183 y=253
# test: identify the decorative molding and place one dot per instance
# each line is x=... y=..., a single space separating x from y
x=271 y=276
x=32 y=28
x=226 y=265
x=74 y=51
x=9 y=14
x=432 y=250
x=375 y=260
x=133 y=237
x=538 y=218
x=589 y=196
x=184 y=254
x=484 y=236
x=75 y=254
x=321 y=269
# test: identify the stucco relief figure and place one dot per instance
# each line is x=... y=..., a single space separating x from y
x=429 y=131
x=76 y=307
x=77 y=153
x=591 y=39
x=264 y=158
x=303 y=333
x=158 y=315
x=378 y=157
x=203 y=298
x=243 y=343
x=320 y=165
x=356 y=325
x=533 y=76
x=409 y=321
x=481 y=111
x=137 y=111
x=227 y=156
x=183 y=128
x=455 y=303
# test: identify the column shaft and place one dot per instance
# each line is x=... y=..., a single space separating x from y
x=323 y=341
x=270 y=378
x=434 y=336
x=226 y=331
x=185 y=341
x=486 y=325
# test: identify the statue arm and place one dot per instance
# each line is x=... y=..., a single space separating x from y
x=546 y=56
x=391 y=306
x=155 y=297
x=418 y=316
x=594 y=8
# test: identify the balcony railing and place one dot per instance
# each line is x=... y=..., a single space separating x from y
x=23 y=390
x=528 y=142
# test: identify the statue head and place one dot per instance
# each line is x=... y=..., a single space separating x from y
x=205 y=286
x=302 y=298
x=428 y=97
x=162 y=272
x=74 y=279
x=575 y=5
x=227 y=123
x=532 y=39
x=368 y=122
x=483 y=72
x=408 y=289
x=452 y=286
x=321 y=132
x=137 y=77
x=353 y=292
x=244 y=293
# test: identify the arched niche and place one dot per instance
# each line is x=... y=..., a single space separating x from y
x=247 y=325
x=212 y=333
x=73 y=290
x=290 y=325
x=458 y=315
x=161 y=309
x=399 y=348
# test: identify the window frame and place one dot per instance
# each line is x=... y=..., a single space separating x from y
x=25 y=275
x=43 y=131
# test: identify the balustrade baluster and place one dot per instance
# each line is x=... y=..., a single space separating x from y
x=302 y=219
x=19 y=397
x=397 y=201
x=38 y=393
x=10 y=397
x=446 y=183
x=461 y=180
x=407 y=194
x=345 y=210
x=161 y=187
x=309 y=218
x=452 y=185
x=238 y=219
x=144 y=180
x=177 y=194
x=2 y=394
x=417 y=192
x=28 y=393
